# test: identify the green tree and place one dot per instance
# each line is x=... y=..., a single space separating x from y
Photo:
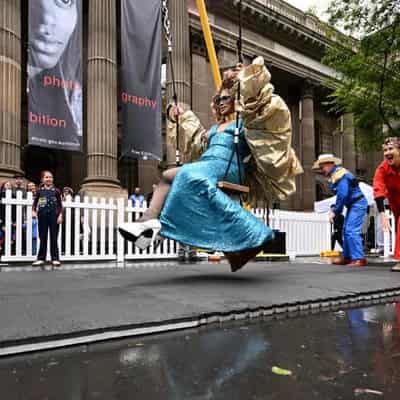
x=368 y=67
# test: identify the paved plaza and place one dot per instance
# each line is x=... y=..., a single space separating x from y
x=38 y=306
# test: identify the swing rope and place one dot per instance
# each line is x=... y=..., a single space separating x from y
x=224 y=184
x=230 y=187
x=168 y=38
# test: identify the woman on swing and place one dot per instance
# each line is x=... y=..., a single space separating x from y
x=188 y=207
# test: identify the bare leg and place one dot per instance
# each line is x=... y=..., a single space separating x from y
x=159 y=195
x=144 y=231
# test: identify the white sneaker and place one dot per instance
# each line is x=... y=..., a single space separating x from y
x=396 y=268
x=132 y=230
x=56 y=263
x=38 y=263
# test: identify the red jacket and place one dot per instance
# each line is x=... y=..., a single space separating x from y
x=387 y=184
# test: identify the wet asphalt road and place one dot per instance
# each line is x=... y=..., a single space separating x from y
x=350 y=354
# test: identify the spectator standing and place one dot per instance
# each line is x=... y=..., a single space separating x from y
x=137 y=198
x=32 y=188
x=47 y=207
x=67 y=192
x=19 y=186
x=387 y=186
x=3 y=189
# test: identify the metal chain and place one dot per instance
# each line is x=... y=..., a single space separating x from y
x=168 y=38
x=167 y=25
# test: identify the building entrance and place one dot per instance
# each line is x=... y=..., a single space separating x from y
x=68 y=168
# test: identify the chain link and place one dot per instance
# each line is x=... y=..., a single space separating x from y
x=167 y=24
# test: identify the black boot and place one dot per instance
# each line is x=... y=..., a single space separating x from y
x=238 y=259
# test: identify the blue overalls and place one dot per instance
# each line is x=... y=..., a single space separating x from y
x=349 y=195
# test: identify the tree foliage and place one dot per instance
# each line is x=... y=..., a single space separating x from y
x=368 y=84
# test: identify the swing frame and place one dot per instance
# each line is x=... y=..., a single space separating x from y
x=232 y=188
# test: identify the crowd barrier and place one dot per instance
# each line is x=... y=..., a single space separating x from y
x=89 y=231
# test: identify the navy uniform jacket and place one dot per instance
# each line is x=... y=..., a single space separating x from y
x=48 y=200
x=345 y=186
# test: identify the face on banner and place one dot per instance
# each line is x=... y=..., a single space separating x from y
x=51 y=26
x=54 y=74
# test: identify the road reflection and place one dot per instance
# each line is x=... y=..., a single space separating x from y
x=348 y=354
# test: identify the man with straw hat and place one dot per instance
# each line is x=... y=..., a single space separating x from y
x=349 y=195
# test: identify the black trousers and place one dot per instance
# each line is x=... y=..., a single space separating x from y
x=336 y=236
x=47 y=221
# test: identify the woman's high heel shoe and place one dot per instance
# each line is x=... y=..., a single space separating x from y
x=133 y=230
x=149 y=238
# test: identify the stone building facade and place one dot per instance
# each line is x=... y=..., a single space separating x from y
x=291 y=42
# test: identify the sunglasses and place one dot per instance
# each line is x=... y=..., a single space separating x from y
x=223 y=99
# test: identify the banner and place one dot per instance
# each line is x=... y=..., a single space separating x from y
x=55 y=74
x=140 y=95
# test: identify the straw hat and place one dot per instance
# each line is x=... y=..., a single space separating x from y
x=326 y=158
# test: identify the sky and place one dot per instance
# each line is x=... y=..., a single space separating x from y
x=319 y=5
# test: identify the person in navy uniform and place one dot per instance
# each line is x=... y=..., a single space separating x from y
x=349 y=195
x=47 y=207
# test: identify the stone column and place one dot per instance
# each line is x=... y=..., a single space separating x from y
x=307 y=145
x=102 y=132
x=337 y=143
x=181 y=60
x=294 y=202
x=148 y=175
x=10 y=88
x=349 y=155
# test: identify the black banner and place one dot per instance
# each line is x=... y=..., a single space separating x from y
x=55 y=74
x=140 y=95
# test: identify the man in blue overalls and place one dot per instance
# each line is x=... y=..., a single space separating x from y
x=349 y=195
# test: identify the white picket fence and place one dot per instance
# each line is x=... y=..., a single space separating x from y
x=89 y=231
x=307 y=233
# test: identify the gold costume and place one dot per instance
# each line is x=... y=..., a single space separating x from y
x=272 y=168
x=192 y=134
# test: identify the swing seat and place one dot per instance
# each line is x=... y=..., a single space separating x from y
x=232 y=188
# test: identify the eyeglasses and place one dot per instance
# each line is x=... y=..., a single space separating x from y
x=223 y=99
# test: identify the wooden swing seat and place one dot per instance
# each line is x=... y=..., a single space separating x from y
x=232 y=188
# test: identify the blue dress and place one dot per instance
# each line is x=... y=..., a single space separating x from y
x=199 y=214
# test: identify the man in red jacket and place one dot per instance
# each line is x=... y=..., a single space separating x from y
x=387 y=185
